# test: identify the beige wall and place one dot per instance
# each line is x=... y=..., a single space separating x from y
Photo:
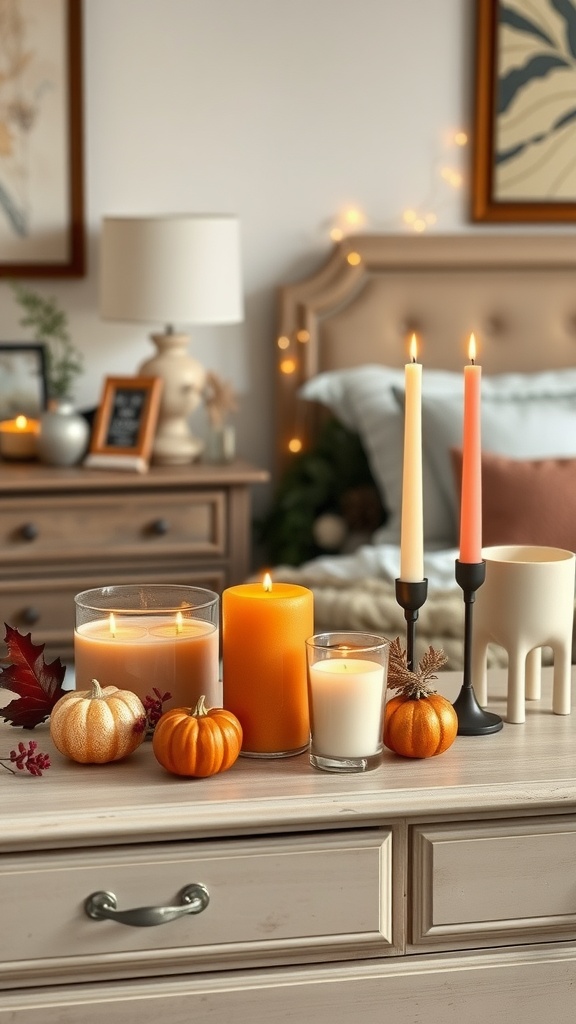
x=283 y=111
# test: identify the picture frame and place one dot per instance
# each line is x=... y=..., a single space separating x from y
x=125 y=423
x=23 y=390
x=42 y=231
x=524 y=112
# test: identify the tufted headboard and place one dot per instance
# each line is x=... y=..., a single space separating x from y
x=516 y=292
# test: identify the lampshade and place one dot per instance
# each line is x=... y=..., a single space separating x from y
x=171 y=269
x=178 y=269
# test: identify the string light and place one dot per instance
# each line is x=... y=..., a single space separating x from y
x=283 y=341
x=294 y=445
x=288 y=366
x=354 y=258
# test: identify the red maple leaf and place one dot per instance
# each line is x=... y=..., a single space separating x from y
x=38 y=685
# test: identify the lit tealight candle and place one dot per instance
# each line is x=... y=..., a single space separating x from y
x=19 y=438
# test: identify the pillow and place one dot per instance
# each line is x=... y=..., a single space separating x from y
x=529 y=501
x=524 y=416
x=363 y=399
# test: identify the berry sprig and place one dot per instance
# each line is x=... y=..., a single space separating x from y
x=27 y=758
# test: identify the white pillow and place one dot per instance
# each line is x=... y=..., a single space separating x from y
x=524 y=416
x=363 y=399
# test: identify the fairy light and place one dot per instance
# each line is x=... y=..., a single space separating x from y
x=336 y=234
x=288 y=366
x=283 y=342
x=460 y=138
x=354 y=258
x=303 y=336
x=294 y=445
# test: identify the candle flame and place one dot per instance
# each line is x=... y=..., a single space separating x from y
x=178 y=622
x=112 y=622
x=21 y=423
x=413 y=348
x=472 y=348
x=267 y=582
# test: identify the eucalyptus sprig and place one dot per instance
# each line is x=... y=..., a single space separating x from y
x=413 y=684
x=49 y=324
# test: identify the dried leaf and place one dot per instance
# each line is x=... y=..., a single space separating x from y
x=413 y=684
x=38 y=685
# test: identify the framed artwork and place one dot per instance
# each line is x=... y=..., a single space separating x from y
x=524 y=138
x=41 y=154
x=22 y=380
x=125 y=423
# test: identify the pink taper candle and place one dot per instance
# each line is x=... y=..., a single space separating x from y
x=412 y=528
x=471 y=494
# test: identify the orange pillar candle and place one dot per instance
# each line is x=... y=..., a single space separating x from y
x=412 y=521
x=264 y=628
x=471 y=492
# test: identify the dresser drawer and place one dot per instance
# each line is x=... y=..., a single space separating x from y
x=45 y=607
x=488 y=883
x=93 y=526
x=304 y=898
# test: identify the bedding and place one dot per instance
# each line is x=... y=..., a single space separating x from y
x=342 y=343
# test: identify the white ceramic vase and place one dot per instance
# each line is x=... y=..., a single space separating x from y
x=64 y=434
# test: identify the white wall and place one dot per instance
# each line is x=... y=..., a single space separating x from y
x=282 y=111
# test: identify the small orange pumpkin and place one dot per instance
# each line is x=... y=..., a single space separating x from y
x=198 y=742
x=418 y=722
x=98 y=725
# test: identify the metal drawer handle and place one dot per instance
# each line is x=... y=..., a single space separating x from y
x=30 y=615
x=29 y=531
x=160 y=527
x=195 y=898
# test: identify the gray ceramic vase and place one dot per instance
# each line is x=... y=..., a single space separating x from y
x=64 y=434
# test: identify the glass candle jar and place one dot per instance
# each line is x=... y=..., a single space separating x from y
x=347 y=677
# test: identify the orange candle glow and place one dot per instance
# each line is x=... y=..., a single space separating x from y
x=471 y=493
x=412 y=522
x=264 y=627
x=19 y=438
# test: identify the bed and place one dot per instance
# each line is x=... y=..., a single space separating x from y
x=341 y=347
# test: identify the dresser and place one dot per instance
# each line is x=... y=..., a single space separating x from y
x=63 y=530
x=424 y=892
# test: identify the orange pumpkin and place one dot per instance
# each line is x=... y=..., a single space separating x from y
x=421 y=727
x=198 y=742
x=98 y=725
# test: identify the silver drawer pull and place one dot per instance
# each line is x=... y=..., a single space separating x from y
x=195 y=898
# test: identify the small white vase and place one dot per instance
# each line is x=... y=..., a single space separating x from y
x=64 y=434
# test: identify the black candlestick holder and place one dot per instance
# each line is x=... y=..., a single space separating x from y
x=411 y=597
x=472 y=719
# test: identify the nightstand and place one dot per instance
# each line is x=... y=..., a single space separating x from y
x=63 y=530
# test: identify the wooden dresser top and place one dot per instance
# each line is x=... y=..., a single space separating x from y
x=521 y=769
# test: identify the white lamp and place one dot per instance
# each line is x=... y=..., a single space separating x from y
x=180 y=269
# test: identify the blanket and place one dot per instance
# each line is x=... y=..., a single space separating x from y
x=370 y=604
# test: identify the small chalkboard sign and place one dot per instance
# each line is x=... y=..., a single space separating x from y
x=125 y=423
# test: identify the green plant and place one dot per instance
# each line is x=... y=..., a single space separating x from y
x=49 y=324
x=333 y=476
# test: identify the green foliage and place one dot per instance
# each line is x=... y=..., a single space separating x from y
x=315 y=482
x=49 y=324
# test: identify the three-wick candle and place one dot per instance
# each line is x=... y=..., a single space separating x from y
x=471 y=490
x=143 y=652
x=264 y=629
x=412 y=519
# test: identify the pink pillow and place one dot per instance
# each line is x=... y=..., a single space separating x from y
x=526 y=501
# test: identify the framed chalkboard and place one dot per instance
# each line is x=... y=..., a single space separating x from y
x=125 y=423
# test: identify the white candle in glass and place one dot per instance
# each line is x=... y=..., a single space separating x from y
x=412 y=521
x=347 y=698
